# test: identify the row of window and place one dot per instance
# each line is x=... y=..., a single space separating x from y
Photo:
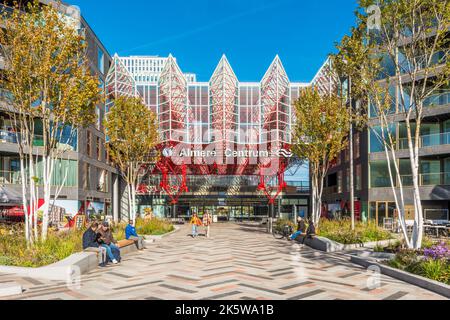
x=431 y=172
x=431 y=134
x=99 y=152
x=102 y=178
x=339 y=182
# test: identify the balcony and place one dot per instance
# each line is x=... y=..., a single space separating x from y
x=8 y=136
x=11 y=137
x=10 y=178
x=430 y=140
x=440 y=99
x=428 y=179
x=15 y=178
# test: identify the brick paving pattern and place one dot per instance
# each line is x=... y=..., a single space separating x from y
x=238 y=262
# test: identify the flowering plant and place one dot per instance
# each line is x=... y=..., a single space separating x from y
x=438 y=252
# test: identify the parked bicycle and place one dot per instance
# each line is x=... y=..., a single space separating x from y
x=282 y=232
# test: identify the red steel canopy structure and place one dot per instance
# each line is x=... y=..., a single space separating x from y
x=219 y=128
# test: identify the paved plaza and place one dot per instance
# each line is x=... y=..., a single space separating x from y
x=240 y=261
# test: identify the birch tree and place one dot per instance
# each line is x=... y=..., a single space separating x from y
x=320 y=134
x=132 y=133
x=411 y=45
x=47 y=78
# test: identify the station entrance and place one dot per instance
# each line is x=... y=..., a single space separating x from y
x=224 y=209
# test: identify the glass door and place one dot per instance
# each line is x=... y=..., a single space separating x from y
x=381 y=212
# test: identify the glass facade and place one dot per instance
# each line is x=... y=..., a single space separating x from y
x=246 y=113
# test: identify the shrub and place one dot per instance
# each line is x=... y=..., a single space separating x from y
x=438 y=270
x=341 y=231
x=434 y=265
x=144 y=227
x=153 y=227
x=58 y=246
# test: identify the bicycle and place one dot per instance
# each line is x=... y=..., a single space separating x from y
x=282 y=232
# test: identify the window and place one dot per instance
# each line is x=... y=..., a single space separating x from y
x=88 y=143
x=376 y=138
x=87 y=176
x=430 y=172
x=447 y=171
x=101 y=61
x=358 y=177
x=99 y=155
x=339 y=184
x=338 y=159
x=347 y=154
x=99 y=118
x=356 y=147
x=379 y=174
x=347 y=180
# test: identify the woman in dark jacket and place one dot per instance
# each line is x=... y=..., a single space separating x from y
x=90 y=243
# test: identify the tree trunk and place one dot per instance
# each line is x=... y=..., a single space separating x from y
x=417 y=235
x=48 y=165
x=133 y=199
x=24 y=201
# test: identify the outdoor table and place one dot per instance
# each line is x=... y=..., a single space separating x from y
x=437 y=228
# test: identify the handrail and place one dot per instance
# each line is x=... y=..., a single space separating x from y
x=428 y=140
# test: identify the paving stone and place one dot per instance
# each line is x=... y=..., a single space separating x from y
x=233 y=264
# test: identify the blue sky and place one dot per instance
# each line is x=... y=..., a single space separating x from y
x=249 y=32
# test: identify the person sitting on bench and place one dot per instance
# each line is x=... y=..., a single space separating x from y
x=301 y=226
x=91 y=244
x=106 y=240
x=131 y=234
x=310 y=232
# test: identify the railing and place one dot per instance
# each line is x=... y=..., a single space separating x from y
x=439 y=99
x=10 y=177
x=38 y=140
x=302 y=186
x=428 y=179
x=422 y=62
x=15 y=178
x=12 y=137
x=429 y=140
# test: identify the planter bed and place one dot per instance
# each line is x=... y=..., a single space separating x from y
x=71 y=267
x=368 y=259
x=327 y=245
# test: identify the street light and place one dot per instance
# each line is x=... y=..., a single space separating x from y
x=352 y=180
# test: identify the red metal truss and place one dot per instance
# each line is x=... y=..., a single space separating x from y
x=173 y=183
x=272 y=191
x=172 y=101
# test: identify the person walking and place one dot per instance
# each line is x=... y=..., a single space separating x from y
x=207 y=221
x=195 y=222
